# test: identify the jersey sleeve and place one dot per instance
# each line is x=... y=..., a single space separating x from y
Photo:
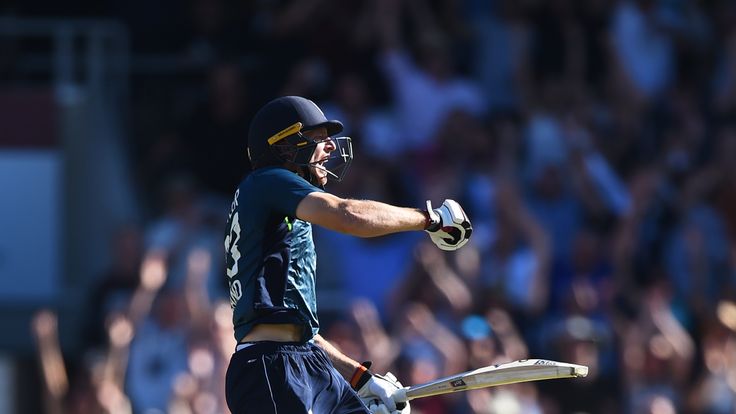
x=282 y=190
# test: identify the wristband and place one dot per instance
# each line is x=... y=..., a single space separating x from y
x=427 y=219
x=430 y=225
x=361 y=375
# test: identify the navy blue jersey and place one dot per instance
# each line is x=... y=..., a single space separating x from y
x=270 y=257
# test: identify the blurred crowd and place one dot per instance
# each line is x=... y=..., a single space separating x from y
x=591 y=142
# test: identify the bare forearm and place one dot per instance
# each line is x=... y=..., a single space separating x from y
x=366 y=218
x=345 y=365
x=362 y=218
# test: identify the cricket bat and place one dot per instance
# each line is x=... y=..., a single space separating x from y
x=508 y=373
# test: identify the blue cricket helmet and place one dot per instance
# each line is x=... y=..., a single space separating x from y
x=278 y=116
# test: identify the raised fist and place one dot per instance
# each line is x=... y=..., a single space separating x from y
x=449 y=226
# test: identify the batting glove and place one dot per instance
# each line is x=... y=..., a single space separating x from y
x=378 y=392
x=448 y=226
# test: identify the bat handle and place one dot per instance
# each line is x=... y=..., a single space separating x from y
x=401 y=398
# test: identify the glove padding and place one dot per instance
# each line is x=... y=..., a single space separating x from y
x=379 y=395
x=449 y=226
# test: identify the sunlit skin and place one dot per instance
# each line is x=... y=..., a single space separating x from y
x=321 y=153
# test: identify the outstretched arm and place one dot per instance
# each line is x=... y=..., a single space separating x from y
x=447 y=226
x=362 y=218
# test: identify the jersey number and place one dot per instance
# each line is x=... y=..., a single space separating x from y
x=231 y=246
x=233 y=254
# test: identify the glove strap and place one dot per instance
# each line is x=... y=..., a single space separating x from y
x=427 y=219
x=361 y=375
x=431 y=223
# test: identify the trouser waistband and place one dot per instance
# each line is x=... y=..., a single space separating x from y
x=275 y=346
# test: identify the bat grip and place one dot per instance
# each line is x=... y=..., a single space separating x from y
x=401 y=398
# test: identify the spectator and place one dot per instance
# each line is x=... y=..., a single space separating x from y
x=427 y=89
x=372 y=128
x=158 y=354
x=713 y=392
x=215 y=139
x=116 y=286
x=517 y=265
x=642 y=48
x=503 y=42
x=183 y=228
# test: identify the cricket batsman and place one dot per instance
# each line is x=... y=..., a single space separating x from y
x=281 y=363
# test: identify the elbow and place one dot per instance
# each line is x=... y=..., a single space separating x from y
x=350 y=220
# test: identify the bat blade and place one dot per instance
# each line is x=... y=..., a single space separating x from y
x=493 y=375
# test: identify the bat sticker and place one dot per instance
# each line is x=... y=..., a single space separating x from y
x=458 y=383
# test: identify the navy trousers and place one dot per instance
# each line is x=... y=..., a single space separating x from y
x=287 y=378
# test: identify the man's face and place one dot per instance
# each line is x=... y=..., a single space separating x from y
x=321 y=152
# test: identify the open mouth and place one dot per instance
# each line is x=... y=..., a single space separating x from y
x=320 y=164
x=321 y=167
